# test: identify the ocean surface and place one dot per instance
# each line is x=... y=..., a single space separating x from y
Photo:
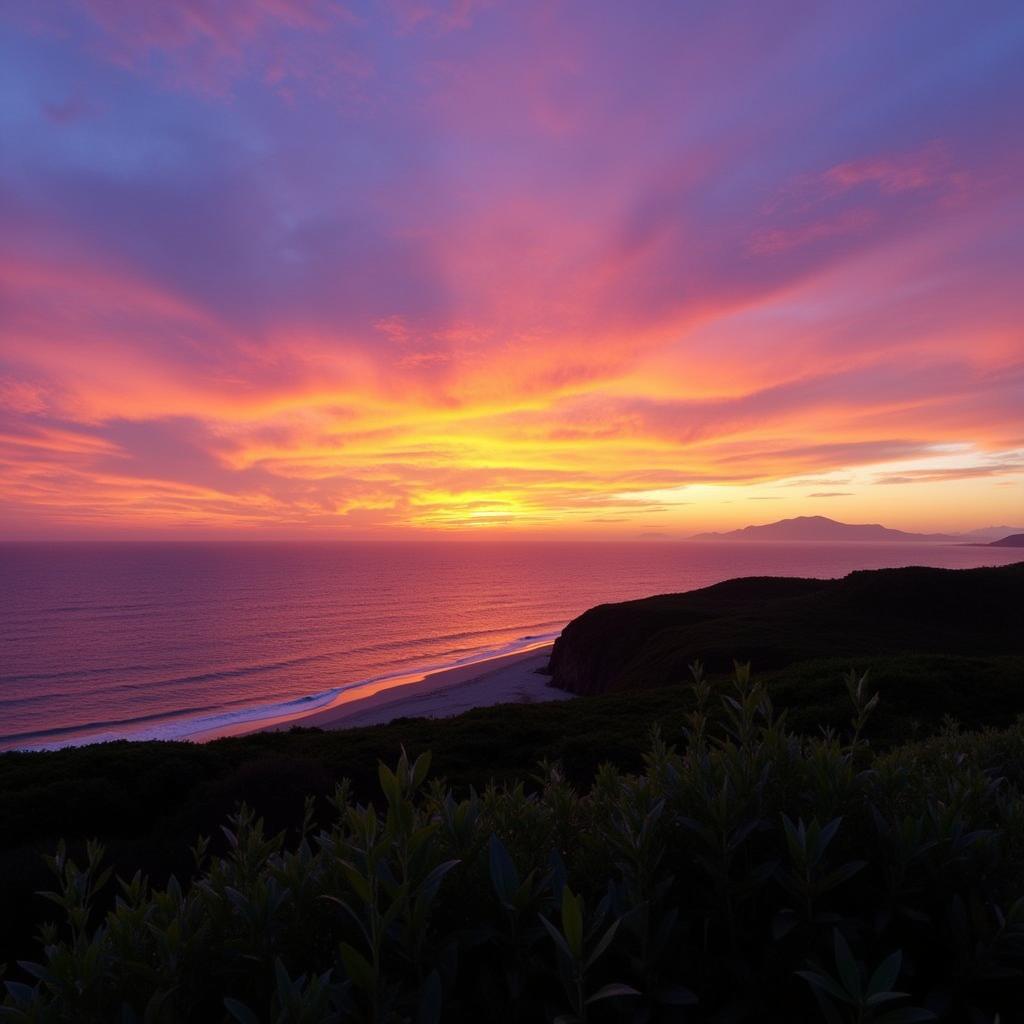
x=169 y=640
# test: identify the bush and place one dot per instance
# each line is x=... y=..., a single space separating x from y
x=753 y=875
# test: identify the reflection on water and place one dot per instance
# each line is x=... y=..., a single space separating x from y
x=110 y=639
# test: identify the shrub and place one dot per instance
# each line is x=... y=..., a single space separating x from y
x=749 y=874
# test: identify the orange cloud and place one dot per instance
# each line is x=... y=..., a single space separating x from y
x=281 y=268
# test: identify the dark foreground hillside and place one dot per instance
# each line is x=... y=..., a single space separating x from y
x=747 y=875
x=776 y=623
x=796 y=868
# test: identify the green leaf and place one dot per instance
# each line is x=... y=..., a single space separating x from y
x=783 y=923
x=846 y=965
x=155 y=1006
x=358 y=968
x=524 y=894
x=563 y=946
x=824 y=983
x=420 y=769
x=609 y=991
x=429 y=884
x=841 y=874
x=388 y=784
x=20 y=993
x=429 y=1009
x=604 y=943
x=884 y=997
x=906 y=1015
x=557 y=873
x=827 y=834
x=36 y=970
x=240 y=1011
x=504 y=877
x=572 y=922
x=360 y=885
x=885 y=974
x=284 y=983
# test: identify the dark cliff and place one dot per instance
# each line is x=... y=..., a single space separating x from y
x=776 y=622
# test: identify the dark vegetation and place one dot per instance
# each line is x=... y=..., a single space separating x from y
x=802 y=852
x=778 y=623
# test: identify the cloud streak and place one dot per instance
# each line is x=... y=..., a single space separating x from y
x=305 y=267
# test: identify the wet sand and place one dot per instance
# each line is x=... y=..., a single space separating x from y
x=511 y=679
x=507 y=679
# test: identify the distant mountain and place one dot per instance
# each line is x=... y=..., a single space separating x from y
x=822 y=528
x=1015 y=540
x=992 y=532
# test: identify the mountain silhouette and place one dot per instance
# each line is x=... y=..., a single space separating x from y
x=1015 y=540
x=823 y=529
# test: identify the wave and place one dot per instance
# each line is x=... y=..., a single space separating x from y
x=186 y=725
x=164 y=682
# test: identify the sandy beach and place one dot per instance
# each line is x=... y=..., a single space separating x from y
x=511 y=679
x=508 y=679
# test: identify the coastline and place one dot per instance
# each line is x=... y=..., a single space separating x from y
x=137 y=674
x=512 y=678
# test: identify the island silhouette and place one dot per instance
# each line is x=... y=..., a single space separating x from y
x=821 y=528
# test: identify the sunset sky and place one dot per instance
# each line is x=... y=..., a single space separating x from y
x=298 y=268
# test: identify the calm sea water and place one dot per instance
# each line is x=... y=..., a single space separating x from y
x=104 y=640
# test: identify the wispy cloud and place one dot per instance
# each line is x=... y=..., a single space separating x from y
x=430 y=265
x=917 y=476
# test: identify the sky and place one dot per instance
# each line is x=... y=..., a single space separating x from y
x=298 y=268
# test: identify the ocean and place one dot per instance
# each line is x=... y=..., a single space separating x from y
x=99 y=641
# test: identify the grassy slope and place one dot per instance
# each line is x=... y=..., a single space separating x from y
x=777 y=623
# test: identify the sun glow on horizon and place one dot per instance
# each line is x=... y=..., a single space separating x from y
x=408 y=270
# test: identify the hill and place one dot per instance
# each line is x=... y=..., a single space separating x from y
x=777 y=623
x=1015 y=540
x=992 y=532
x=821 y=528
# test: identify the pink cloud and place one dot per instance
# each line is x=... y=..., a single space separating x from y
x=226 y=28
x=312 y=266
x=916 y=476
x=207 y=47
x=436 y=15
x=843 y=225
x=21 y=396
x=72 y=109
x=857 y=196
x=927 y=168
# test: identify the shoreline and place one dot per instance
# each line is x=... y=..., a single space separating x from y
x=503 y=679
x=512 y=676
x=453 y=687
